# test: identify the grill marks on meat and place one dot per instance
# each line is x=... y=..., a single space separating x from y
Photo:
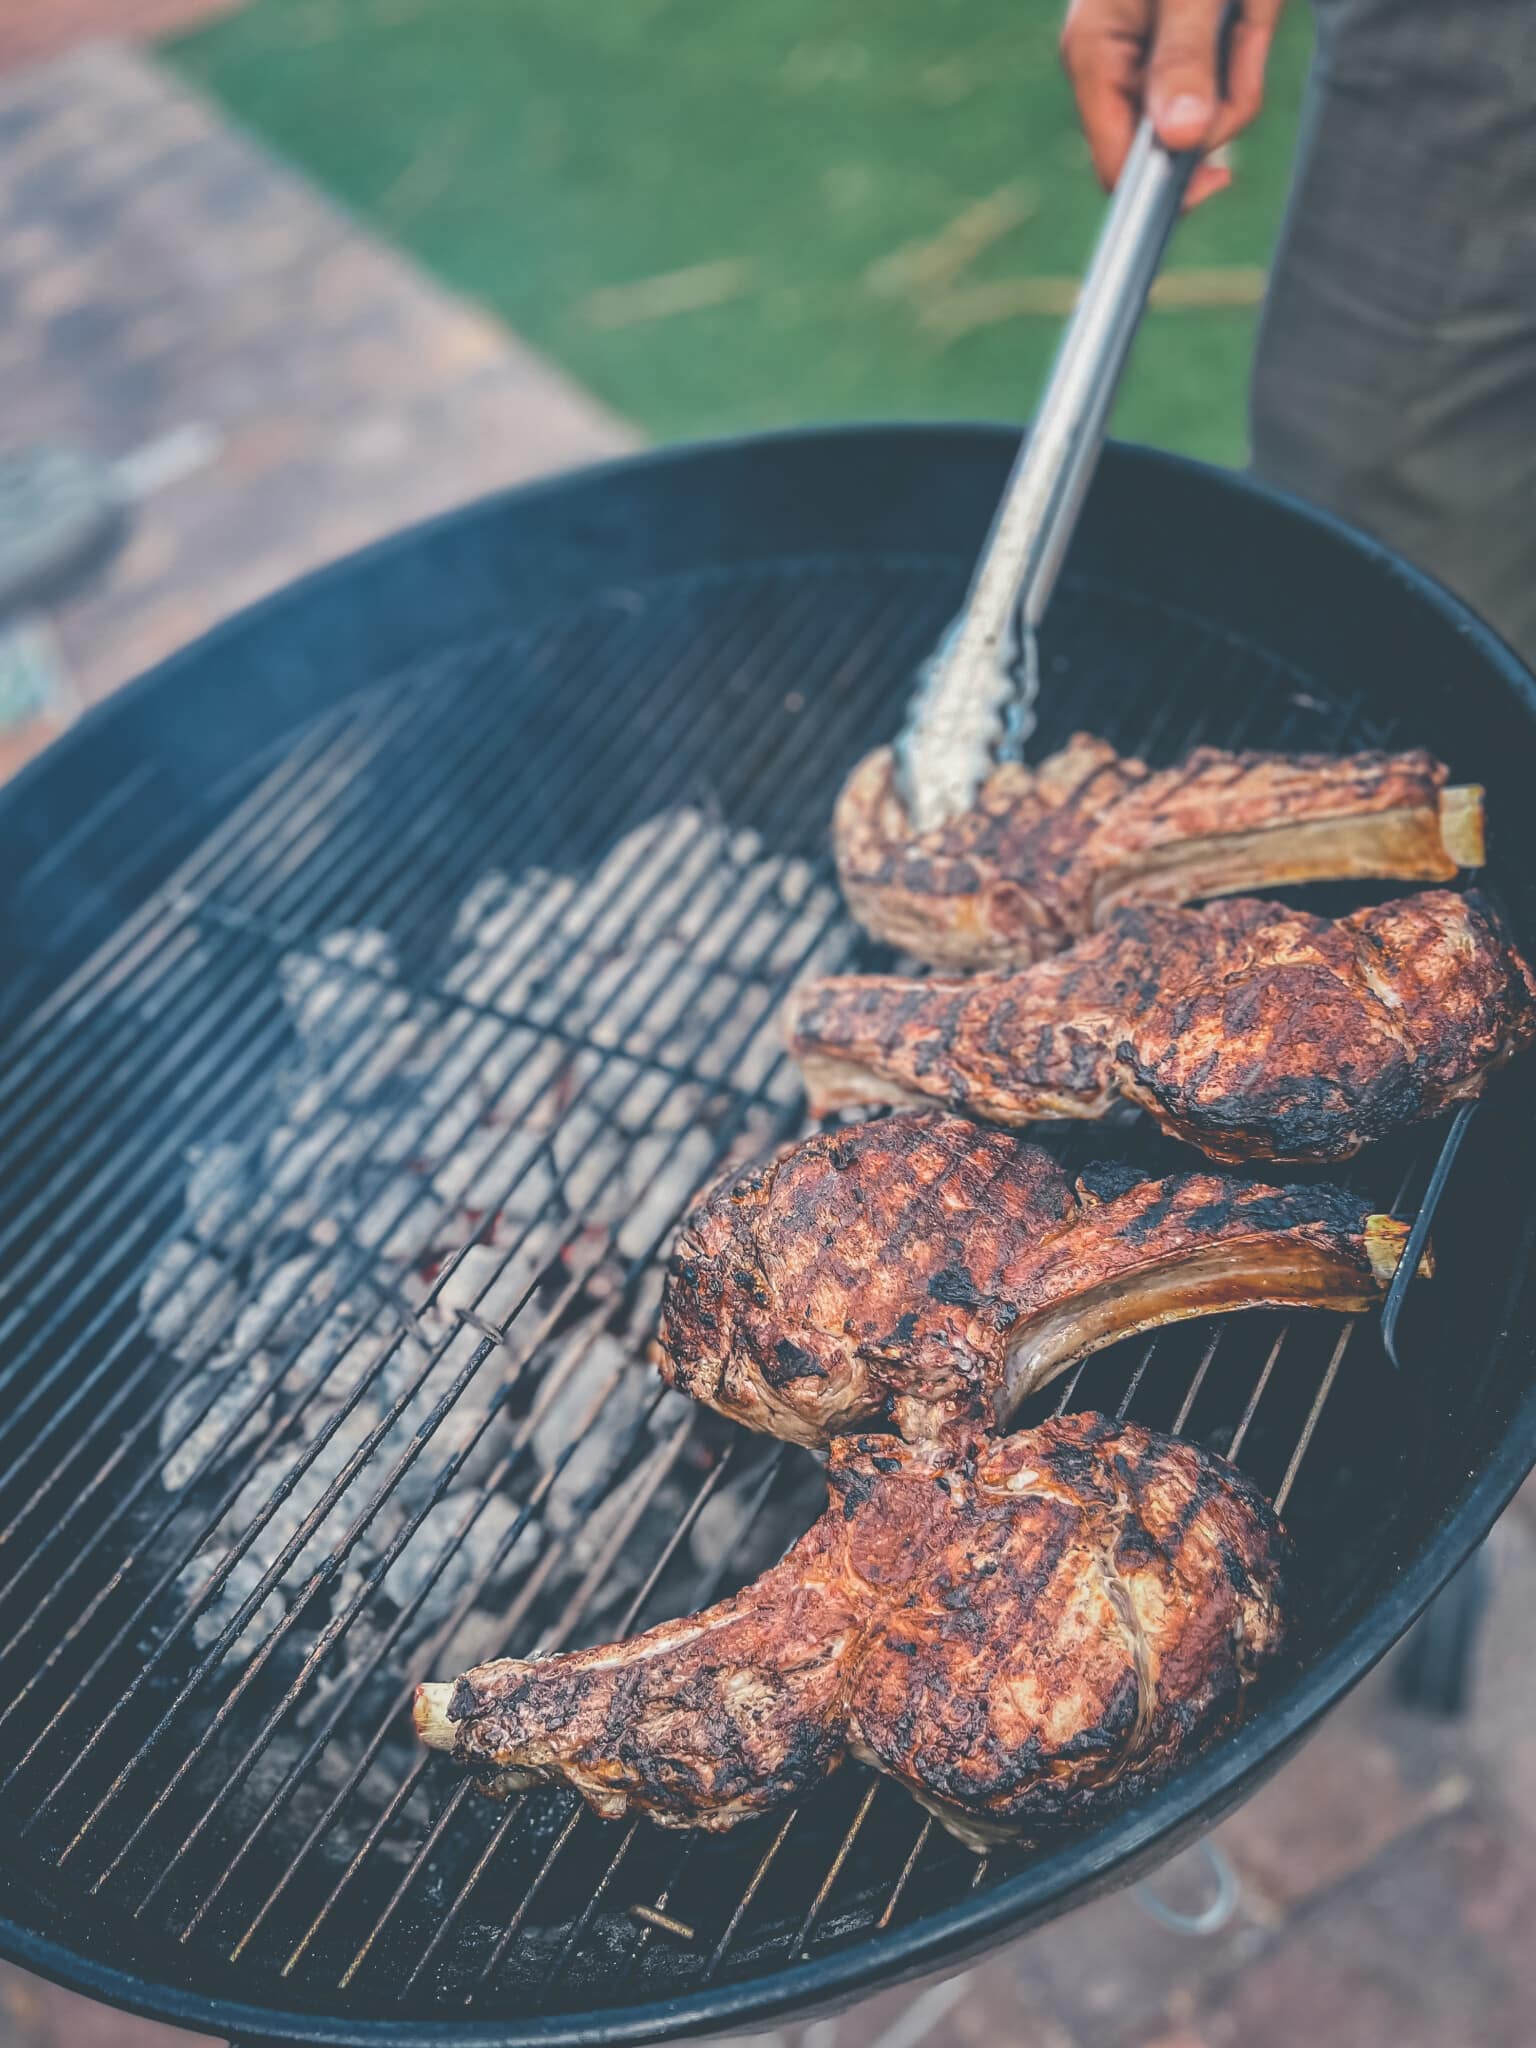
x=1248 y=1029
x=932 y=1272
x=1049 y=851
x=1025 y=1633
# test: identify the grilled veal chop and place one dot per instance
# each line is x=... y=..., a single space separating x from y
x=1249 y=1029
x=1048 y=852
x=932 y=1272
x=1024 y=1633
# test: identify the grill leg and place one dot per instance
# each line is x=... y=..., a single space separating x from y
x=1434 y=1668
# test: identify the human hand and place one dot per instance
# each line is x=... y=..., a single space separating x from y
x=1159 y=56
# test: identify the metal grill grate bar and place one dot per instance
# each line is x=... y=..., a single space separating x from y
x=274 y=1572
x=255 y=1598
x=574 y=939
x=324 y=1875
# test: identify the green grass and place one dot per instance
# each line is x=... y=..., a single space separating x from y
x=533 y=152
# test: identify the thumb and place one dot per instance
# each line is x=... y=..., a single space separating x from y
x=1182 y=95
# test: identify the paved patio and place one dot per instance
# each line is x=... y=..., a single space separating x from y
x=171 y=294
x=289 y=388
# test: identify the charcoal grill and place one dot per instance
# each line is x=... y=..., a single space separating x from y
x=645 y=684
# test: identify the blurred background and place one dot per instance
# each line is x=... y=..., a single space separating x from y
x=278 y=278
x=293 y=273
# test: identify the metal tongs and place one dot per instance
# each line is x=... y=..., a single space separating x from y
x=973 y=705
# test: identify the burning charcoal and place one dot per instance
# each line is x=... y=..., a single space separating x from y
x=670 y=1413
x=239 y=1380
x=601 y=1440
x=496 y=908
x=218 y=1190
x=342 y=1355
x=341 y=990
x=612 y=1551
x=723 y=1535
x=498 y=924
x=400 y=1219
x=662 y=1174
x=186 y=1298
x=638 y=1097
x=244 y=1577
x=287 y=1304
x=498 y=1169
x=309 y=1489
x=485 y=1284
x=474 y=1560
x=389 y=1138
x=314 y=1157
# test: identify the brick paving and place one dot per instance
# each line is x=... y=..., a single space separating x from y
x=30 y=29
x=160 y=277
x=165 y=283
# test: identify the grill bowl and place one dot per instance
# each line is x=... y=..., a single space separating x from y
x=529 y=683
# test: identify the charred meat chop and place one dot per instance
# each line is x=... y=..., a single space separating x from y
x=1249 y=1029
x=930 y=1272
x=1025 y=1633
x=1048 y=852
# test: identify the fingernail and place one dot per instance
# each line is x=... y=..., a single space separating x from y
x=1187 y=110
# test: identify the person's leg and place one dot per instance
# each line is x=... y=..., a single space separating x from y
x=1395 y=378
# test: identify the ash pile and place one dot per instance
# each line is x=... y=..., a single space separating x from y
x=405 y=1392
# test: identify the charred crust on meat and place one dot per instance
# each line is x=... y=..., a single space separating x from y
x=956 y=1289
x=1103 y=1179
x=951 y=1289
x=1252 y=1030
x=791 y=1361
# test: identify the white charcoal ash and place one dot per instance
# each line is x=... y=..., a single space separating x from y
x=399 y=1216
x=288 y=1302
x=220 y=1189
x=484 y=1285
x=316 y=1159
x=607 y=1555
x=498 y=1170
x=476 y=1559
x=235 y=1379
x=187 y=1299
x=209 y=1624
x=341 y=992
x=509 y=935
x=597 y=1393
x=309 y=1489
x=732 y=1530
x=638 y=1183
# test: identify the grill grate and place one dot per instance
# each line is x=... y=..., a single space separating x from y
x=228 y=1765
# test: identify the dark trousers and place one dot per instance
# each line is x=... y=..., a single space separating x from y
x=1395 y=378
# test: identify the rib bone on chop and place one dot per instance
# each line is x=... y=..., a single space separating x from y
x=1047 y=852
x=1249 y=1029
x=1024 y=1633
x=926 y=1271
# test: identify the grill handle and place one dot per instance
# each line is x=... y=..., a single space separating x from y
x=973 y=704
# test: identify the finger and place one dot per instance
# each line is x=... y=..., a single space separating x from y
x=1207 y=181
x=1106 y=66
x=1181 y=73
x=1247 y=61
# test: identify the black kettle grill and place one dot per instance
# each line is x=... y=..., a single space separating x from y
x=212 y=1808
